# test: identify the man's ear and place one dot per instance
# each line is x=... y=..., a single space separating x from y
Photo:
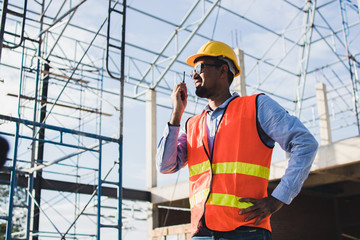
x=224 y=68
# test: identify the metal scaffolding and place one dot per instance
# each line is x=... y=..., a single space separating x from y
x=67 y=79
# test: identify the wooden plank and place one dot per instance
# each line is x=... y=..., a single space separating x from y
x=173 y=230
x=64 y=76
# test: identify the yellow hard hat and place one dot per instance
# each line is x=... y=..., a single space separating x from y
x=216 y=49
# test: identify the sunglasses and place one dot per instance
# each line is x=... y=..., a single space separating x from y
x=199 y=68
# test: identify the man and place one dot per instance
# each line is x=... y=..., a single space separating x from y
x=228 y=149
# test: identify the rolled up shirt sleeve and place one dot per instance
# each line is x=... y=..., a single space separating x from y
x=171 y=153
x=293 y=137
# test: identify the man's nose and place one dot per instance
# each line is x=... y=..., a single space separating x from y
x=195 y=75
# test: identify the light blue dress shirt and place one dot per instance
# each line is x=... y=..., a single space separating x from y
x=278 y=125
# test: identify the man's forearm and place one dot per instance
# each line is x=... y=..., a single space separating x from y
x=171 y=152
x=175 y=119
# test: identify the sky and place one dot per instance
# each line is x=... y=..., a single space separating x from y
x=265 y=30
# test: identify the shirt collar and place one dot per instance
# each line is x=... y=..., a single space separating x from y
x=224 y=104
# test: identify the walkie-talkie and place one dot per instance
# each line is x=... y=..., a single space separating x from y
x=182 y=92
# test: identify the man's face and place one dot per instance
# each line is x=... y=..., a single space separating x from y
x=206 y=82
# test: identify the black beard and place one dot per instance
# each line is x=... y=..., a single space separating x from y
x=201 y=92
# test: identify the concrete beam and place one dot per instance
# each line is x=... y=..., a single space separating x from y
x=323 y=110
x=71 y=187
x=170 y=192
x=239 y=81
x=329 y=156
x=151 y=173
x=338 y=153
x=340 y=173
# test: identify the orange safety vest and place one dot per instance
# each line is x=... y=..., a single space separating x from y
x=239 y=167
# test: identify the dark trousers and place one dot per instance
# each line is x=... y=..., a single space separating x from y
x=242 y=233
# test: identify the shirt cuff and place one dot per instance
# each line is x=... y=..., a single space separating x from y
x=172 y=125
x=283 y=194
x=173 y=129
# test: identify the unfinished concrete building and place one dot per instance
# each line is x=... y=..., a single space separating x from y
x=85 y=90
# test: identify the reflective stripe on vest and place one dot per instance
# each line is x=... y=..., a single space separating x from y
x=199 y=168
x=231 y=167
x=199 y=197
x=227 y=200
x=218 y=199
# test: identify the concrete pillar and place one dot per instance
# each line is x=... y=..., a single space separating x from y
x=239 y=81
x=151 y=174
x=150 y=139
x=323 y=110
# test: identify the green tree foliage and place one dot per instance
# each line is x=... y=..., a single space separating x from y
x=19 y=210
